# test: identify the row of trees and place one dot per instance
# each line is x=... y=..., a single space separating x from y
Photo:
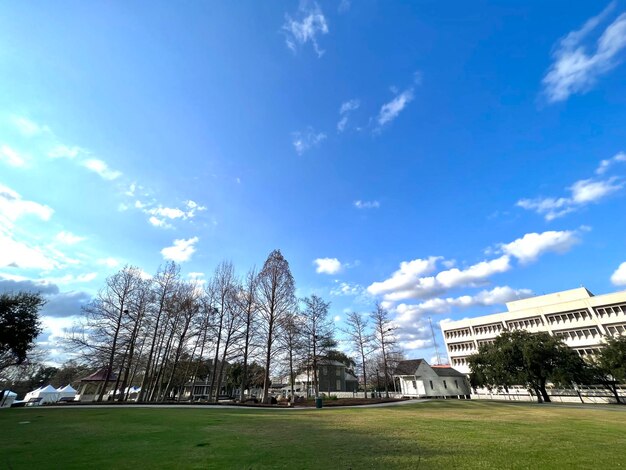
x=536 y=359
x=165 y=333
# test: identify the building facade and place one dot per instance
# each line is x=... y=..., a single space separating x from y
x=418 y=379
x=578 y=317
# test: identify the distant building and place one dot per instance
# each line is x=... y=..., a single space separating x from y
x=576 y=316
x=419 y=379
x=332 y=376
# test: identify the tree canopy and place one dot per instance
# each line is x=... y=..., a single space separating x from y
x=528 y=359
x=19 y=326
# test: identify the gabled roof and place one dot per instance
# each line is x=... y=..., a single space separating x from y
x=447 y=371
x=99 y=376
x=408 y=367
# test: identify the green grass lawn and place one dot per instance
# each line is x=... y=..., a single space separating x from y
x=445 y=434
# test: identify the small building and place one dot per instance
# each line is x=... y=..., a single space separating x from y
x=91 y=385
x=332 y=376
x=418 y=379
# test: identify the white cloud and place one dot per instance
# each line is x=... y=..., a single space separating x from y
x=310 y=24
x=11 y=157
x=17 y=254
x=29 y=128
x=303 y=141
x=619 y=276
x=366 y=204
x=63 y=151
x=582 y=193
x=13 y=206
x=101 y=168
x=575 y=69
x=69 y=238
x=159 y=222
x=345 y=288
x=389 y=111
x=181 y=250
x=327 y=265
x=406 y=277
x=606 y=164
x=532 y=245
x=160 y=214
x=109 y=262
x=344 y=112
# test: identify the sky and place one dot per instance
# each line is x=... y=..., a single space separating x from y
x=442 y=159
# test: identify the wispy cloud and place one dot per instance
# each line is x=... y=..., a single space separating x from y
x=389 y=111
x=604 y=165
x=11 y=156
x=305 y=140
x=63 y=151
x=13 y=206
x=575 y=69
x=327 y=265
x=306 y=27
x=583 y=193
x=29 y=128
x=101 y=168
x=69 y=238
x=160 y=215
x=108 y=262
x=366 y=204
x=344 y=113
x=181 y=250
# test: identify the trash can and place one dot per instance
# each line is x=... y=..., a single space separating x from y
x=318 y=403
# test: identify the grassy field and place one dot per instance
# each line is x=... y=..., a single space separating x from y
x=445 y=434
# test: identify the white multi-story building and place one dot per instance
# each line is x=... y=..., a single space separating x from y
x=578 y=317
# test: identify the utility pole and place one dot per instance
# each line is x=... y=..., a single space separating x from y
x=432 y=330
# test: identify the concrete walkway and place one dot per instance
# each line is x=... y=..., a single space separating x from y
x=222 y=407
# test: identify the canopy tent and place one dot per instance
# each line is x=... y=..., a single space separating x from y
x=66 y=392
x=48 y=394
x=7 y=398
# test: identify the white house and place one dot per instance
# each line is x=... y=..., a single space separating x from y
x=418 y=379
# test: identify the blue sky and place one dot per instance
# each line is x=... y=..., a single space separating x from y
x=443 y=159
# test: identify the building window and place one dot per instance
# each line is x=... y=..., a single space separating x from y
x=414 y=385
x=431 y=385
x=456 y=383
x=324 y=371
x=445 y=385
x=338 y=372
x=338 y=388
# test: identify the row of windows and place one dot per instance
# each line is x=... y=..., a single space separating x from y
x=482 y=342
x=524 y=323
x=616 y=329
x=568 y=317
x=458 y=333
x=585 y=352
x=579 y=333
x=611 y=310
x=457 y=347
x=459 y=361
x=493 y=328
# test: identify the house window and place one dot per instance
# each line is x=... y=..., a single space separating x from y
x=338 y=372
x=324 y=371
x=445 y=385
x=338 y=388
x=456 y=383
x=415 y=385
x=431 y=385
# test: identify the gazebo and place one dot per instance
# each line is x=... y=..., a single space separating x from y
x=91 y=385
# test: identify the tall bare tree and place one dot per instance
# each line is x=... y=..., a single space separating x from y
x=248 y=307
x=361 y=340
x=276 y=296
x=319 y=331
x=383 y=338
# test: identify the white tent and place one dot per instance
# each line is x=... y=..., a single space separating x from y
x=66 y=392
x=48 y=394
x=7 y=398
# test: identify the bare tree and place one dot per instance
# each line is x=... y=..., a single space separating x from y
x=383 y=338
x=360 y=340
x=164 y=284
x=276 y=296
x=292 y=342
x=248 y=307
x=319 y=331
